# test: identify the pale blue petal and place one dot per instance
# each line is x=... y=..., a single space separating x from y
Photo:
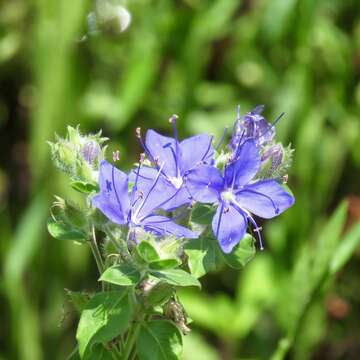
x=242 y=170
x=266 y=199
x=205 y=184
x=163 y=148
x=196 y=150
x=163 y=226
x=229 y=226
x=113 y=190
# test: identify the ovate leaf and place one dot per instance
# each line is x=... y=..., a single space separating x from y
x=159 y=340
x=176 y=277
x=63 y=231
x=164 y=264
x=242 y=253
x=123 y=275
x=106 y=316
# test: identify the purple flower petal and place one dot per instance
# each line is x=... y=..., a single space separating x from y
x=161 y=225
x=266 y=199
x=163 y=148
x=229 y=226
x=151 y=195
x=242 y=170
x=195 y=150
x=145 y=173
x=113 y=197
x=205 y=184
x=180 y=197
x=109 y=209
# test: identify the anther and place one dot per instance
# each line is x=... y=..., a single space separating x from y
x=142 y=158
x=138 y=132
x=173 y=119
x=285 y=178
x=157 y=161
x=116 y=155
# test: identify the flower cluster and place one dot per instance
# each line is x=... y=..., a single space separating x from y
x=173 y=174
x=179 y=190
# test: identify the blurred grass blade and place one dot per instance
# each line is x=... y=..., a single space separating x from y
x=345 y=249
x=26 y=242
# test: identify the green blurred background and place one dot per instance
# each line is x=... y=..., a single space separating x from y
x=300 y=298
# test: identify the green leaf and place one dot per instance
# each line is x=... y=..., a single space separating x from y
x=123 y=275
x=345 y=249
x=63 y=231
x=98 y=352
x=159 y=340
x=203 y=255
x=176 y=277
x=147 y=252
x=164 y=264
x=106 y=316
x=84 y=187
x=242 y=253
x=79 y=299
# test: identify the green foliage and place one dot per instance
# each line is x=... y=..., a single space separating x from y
x=123 y=275
x=63 y=231
x=242 y=253
x=204 y=255
x=176 y=277
x=198 y=59
x=105 y=316
x=159 y=340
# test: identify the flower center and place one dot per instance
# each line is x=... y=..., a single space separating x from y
x=177 y=182
x=227 y=195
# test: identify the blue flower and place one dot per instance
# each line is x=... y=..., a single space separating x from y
x=176 y=160
x=238 y=196
x=252 y=126
x=135 y=209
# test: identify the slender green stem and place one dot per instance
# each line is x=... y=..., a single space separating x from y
x=130 y=341
x=115 y=353
x=97 y=255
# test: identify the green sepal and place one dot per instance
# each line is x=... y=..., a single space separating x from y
x=147 y=252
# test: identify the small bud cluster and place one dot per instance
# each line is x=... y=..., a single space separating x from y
x=78 y=155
